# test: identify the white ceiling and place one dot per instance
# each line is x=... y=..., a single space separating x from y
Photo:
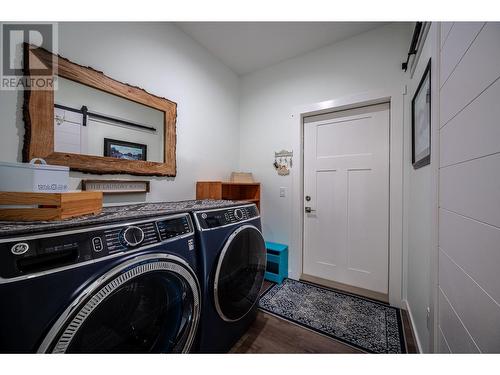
x=248 y=46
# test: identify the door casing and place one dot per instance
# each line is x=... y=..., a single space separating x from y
x=378 y=162
x=395 y=99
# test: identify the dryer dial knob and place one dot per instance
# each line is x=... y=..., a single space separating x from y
x=132 y=236
x=238 y=214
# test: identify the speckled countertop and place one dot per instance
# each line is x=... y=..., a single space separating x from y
x=112 y=214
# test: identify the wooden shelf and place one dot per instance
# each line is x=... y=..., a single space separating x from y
x=241 y=183
x=234 y=191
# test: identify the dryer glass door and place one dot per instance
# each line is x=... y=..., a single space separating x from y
x=240 y=273
x=149 y=307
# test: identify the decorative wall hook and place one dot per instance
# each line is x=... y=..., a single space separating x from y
x=283 y=162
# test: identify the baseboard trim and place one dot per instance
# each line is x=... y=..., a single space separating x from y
x=406 y=306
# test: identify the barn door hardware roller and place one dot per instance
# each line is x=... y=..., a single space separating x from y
x=413 y=46
x=86 y=114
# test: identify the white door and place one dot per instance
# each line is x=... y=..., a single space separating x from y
x=346 y=187
x=69 y=134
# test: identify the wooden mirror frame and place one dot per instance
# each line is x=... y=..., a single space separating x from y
x=38 y=114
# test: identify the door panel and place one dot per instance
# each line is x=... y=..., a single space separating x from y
x=328 y=231
x=359 y=230
x=346 y=176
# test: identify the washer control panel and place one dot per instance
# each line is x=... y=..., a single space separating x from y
x=132 y=236
x=148 y=233
x=127 y=237
x=227 y=216
x=36 y=254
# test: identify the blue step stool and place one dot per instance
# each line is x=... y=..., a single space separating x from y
x=277 y=262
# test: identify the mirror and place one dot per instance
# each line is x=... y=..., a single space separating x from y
x=93 y=123
x=107 y=126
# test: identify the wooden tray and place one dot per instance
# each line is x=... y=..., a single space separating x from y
x=50 y=206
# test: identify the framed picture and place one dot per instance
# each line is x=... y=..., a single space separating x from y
x=125 y=150
x=421 y=121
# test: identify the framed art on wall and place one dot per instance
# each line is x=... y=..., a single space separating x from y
x=125 y=150
x=421 y=121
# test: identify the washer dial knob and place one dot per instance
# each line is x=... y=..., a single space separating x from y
x=238 y=214
x=132 y=236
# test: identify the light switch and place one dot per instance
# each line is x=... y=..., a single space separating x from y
x=282 y=192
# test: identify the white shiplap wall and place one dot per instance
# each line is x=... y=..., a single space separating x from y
x=469 y=188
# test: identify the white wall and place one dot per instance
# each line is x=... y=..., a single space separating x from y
x=367 y=62
x=163 y=60
x=420 y=197
x=469 y=195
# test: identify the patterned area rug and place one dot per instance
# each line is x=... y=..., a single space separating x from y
x=371 y=326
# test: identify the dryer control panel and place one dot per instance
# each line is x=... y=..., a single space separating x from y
x=51 y=251
x=227 y=216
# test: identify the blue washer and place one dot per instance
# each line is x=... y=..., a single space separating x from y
x=91 y=290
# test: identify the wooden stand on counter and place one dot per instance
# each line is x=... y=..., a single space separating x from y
x=50 y=206
x=234 y=191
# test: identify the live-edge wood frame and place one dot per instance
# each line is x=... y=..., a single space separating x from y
x=38 y=114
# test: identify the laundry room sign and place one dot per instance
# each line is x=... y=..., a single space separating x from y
x=116 y=186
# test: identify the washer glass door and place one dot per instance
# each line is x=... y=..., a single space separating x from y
x=151 y=307
x=240 y=273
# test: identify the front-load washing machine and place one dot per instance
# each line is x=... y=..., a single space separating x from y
x=119 y=288
x=232 y=264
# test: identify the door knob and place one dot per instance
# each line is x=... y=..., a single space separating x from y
x=309 y=210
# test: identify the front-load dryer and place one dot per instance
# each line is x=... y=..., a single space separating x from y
x=232 y=264
x=118 y=288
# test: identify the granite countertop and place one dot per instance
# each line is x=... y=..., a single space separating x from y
x=112 y=214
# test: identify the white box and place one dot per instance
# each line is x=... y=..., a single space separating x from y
x=33 y=178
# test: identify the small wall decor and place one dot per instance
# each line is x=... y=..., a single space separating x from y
x=283 y=162
x=125 y=150
x=421 y=121
x=116 y=186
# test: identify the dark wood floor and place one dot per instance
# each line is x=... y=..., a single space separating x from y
x=269 y=334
